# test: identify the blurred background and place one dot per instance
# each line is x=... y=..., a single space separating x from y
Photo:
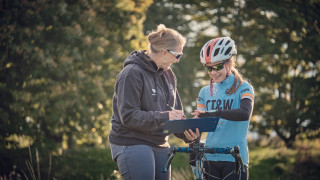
x=59 y=60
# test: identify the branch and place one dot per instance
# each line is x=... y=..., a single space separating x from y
x=315 y=24
x=276 y=128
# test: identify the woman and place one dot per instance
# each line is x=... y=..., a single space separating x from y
x=229 y=97
x=145 y=97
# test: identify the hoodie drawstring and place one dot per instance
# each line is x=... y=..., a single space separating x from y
x=155 y=82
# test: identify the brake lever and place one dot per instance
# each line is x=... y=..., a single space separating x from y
x=235 y=152
x=171 y=156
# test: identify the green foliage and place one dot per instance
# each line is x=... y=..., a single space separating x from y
x=84 y=163
x=269 y=162
x=283 y=64
x=58 y=62
x=77 y=163
x=282 y=163
x=278 y=49
x=27 y=163
x=96 y=163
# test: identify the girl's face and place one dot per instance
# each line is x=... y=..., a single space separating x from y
x=217 y=74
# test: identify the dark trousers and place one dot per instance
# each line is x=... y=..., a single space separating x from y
x=223 y=170
x=141 y=162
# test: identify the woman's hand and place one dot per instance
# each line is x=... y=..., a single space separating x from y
x=176 y=114
x=190 y=135
x=196 y=113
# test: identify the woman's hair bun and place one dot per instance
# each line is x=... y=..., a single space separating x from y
x=161 y=27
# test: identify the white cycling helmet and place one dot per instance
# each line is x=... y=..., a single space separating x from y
x=217 y=49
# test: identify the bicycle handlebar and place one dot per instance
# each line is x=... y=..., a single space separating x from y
x=201 y=150
x=209 y=150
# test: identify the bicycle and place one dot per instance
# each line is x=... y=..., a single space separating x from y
x=199 y=149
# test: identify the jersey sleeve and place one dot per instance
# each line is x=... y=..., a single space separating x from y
x=201 y=100
x=246 y=91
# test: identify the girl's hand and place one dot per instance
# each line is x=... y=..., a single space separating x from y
x=196 y=113
x=190 y=135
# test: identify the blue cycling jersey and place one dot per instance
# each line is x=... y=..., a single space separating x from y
x=228 y=133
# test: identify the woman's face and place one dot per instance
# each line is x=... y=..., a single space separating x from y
x=171 y=56
x=219 y=75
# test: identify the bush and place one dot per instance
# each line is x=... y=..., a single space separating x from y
x=84 y=163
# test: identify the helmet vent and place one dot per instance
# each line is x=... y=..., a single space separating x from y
x=216 y=51
x=221 y=42
x=228 y=51
x=227 y=42
x=201 y=53
x=208 y=51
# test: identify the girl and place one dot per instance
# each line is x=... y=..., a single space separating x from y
x=229 y=97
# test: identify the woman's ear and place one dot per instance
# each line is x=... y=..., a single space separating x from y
x=164 y=52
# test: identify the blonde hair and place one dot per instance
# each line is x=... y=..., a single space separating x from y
x=165 y=38
x=238 y=79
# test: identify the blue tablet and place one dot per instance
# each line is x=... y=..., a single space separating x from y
x=207 y=124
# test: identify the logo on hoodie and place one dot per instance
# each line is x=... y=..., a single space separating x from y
x=170 y=87
x=154 y=92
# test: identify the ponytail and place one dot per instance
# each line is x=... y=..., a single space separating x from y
x=238 y=79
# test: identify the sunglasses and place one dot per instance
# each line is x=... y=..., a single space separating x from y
x=216 y=67
x=178 y=55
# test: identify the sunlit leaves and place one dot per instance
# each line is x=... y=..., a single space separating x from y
x=61 y=60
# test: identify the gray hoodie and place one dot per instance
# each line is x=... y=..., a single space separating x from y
x=143 y=97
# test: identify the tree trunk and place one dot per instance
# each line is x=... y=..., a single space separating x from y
x=70 y=140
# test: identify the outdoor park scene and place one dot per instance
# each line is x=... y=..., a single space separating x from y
x=60 y=61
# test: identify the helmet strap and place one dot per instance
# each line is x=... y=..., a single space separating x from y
x=211 y=87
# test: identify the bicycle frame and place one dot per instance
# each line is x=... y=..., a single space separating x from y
x=199 y=149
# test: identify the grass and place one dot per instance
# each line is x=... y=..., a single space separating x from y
x=267 y=163
x=28 y=168
x=180 y=167
x=272 y=162
x=280 y=163
x=85 y=163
